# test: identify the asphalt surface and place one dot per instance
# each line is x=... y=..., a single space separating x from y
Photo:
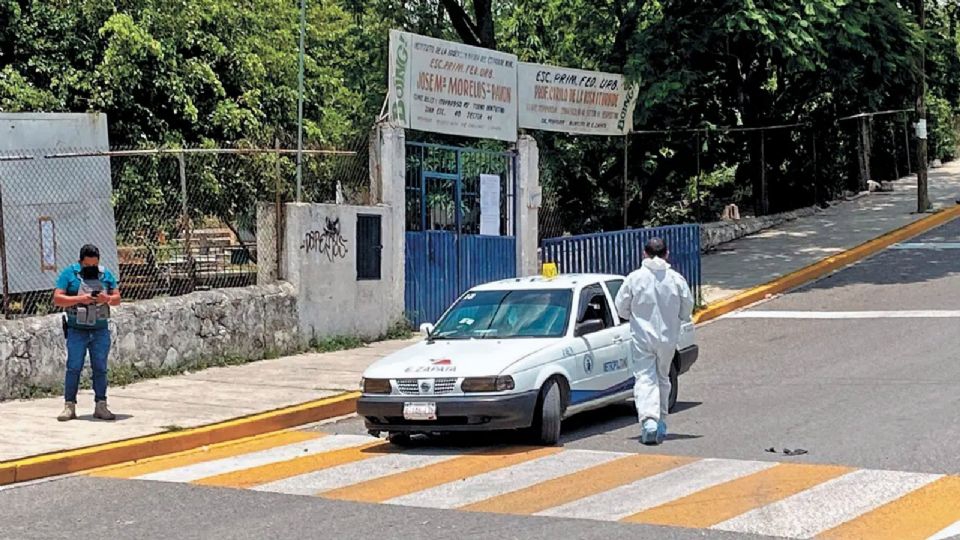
x=873 y=393
x=860 y=392
x=103 y=508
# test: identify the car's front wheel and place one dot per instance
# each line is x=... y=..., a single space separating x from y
x=549 y=414
x=399 y=438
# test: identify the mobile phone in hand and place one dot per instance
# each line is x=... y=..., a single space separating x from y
x=95 y=294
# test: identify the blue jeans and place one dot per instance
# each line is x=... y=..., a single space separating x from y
x=78 y=343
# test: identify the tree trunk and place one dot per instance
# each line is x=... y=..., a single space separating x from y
x=479 y=33
x=483 y=10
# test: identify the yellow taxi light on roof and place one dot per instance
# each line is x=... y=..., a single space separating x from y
x=549 y=270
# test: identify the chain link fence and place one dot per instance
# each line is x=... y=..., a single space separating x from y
x=693 y=175
x=169 y=221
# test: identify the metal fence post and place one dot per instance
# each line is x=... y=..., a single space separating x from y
x=185 y=216
x=3 y=259
x=893 y=140
x=906 y=146
x=696 y=185
x=278 y=212
x=626 y=200
x=764 y=196
x=816 y=178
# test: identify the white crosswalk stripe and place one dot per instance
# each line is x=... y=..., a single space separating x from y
x=492 y=484
x=583 y=484
x=951 y=532
x=827 y=505
x=627 y=500
x=191 y=473
x=354 y=473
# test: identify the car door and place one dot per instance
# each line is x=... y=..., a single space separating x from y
x=622 y=339
x=601 y=358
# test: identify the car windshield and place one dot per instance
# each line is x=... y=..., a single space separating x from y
x=507 y=314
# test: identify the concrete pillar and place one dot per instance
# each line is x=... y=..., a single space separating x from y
x=393 y=193
x=321 y=250
x=392 y=157
x=528 y=200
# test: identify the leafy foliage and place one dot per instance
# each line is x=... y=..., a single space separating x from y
x=205 y=72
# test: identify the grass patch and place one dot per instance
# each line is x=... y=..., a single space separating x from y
x=336 y=343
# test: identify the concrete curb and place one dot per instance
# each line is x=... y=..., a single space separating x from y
x=825 y=266
x=91 y=457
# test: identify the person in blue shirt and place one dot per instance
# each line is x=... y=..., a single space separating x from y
x=86 y=290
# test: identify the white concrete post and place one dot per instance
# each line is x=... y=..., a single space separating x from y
x=528 y=201
x=391 y=191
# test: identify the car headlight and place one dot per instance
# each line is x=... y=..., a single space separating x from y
x=487 y=384
x=375 y=386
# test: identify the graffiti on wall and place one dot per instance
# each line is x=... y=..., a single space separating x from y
x=327 y=242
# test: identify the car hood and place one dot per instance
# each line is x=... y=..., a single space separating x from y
x=455 y=358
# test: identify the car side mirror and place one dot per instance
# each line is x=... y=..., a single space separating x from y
x=588 y=326
x=426 y=329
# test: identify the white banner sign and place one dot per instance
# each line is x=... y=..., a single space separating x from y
x=574 y=101
x=447 y=87
x=490 y=204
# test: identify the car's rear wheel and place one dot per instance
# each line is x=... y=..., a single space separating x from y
x=674 y=386
x=549 y=414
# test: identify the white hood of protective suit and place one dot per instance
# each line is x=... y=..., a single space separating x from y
x=657 y=301
x=656 y=264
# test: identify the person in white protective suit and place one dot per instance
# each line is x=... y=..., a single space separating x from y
x=657 y=301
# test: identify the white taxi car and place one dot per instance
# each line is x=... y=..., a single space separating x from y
x=521 y=353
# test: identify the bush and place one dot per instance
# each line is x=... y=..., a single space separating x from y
x=942 y=129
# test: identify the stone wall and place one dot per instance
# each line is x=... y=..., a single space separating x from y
x=164 y=333
x=714 y=234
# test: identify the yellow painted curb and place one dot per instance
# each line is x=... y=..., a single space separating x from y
x=70 y=461
x=825 y=266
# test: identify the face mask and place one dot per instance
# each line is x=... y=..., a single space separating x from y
x=90 y=272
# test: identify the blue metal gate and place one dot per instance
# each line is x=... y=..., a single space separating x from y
x=621 y=252
x=445 y=252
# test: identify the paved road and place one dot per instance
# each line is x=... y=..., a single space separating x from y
x=858 y=369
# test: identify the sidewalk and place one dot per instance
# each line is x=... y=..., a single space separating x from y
x=171 y=403
x=767 y=255
x=219 y=394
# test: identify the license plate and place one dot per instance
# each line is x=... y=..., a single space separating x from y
x=426 y=410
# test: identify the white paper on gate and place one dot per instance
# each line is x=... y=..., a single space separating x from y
x=446 y=87
x=569 y=100
x=490 y=204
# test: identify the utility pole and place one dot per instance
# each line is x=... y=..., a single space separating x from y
x=303 y=31
x=923 y=198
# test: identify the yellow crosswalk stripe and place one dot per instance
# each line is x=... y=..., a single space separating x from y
x=717 y=504
x=404 y=483
x=919 y=514
x=218 y=451
x=571 y=487
x=272 y=472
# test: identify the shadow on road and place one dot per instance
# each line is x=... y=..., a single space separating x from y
x=581 y=426
x=901 y=266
